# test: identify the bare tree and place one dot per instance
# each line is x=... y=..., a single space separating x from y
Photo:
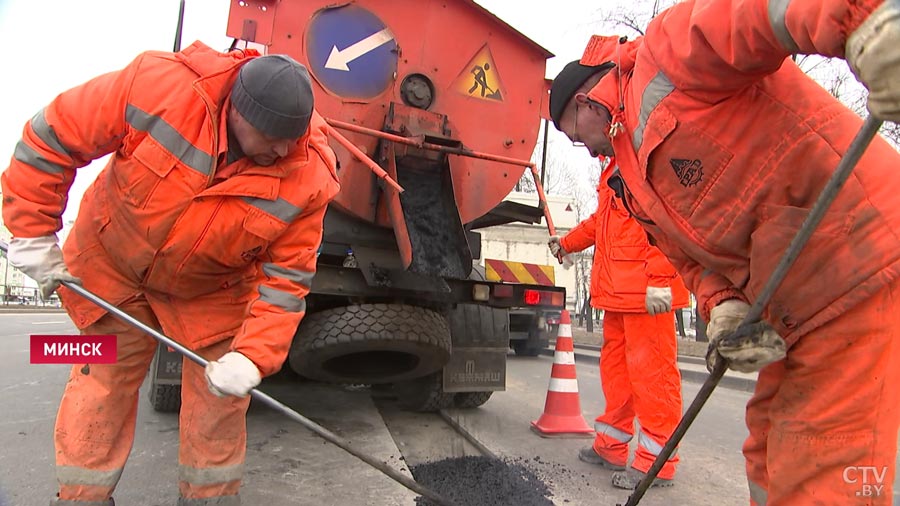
x=832 y=73
x=835 y=76
x=557 y=172
x=634 y=17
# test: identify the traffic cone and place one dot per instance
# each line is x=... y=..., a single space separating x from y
x=562 y=410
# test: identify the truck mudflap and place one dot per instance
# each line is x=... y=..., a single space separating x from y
x=476 y=370
x=480 y=343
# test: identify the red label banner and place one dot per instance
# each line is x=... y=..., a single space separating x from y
x=69 y=349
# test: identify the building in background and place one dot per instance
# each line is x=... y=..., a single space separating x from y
x=522 y=242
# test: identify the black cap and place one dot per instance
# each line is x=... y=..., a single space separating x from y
x=567 y=82
x=274 y=94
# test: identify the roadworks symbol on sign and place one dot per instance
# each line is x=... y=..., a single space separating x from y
x=480 y=79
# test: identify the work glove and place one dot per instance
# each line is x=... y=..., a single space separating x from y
x=41 y=260
x=757 y=345
x=233 y=374
x=658 y=300
x=556 y=248
x=873 y=53
x=559 y=252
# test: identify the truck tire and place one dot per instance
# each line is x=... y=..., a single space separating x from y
x=165 y=398
x=466 y=400
x=164 y=394
x=370 y=344
x=470 y=324
x=424 y=394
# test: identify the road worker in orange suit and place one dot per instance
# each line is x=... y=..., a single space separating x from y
x=204 y=223
x=723 y=146
x=638 y=289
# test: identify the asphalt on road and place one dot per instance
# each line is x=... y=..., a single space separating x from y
x=287 y=465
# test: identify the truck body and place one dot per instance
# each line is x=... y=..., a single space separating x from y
x=445 y=99
x=530 y=329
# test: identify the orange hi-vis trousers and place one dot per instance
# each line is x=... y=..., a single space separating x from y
x=823 y=422
x=640 y=377
x=96 y=421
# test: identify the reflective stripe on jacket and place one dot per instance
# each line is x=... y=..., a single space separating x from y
x=234 y=258
x=727 y=144
x=625 y=263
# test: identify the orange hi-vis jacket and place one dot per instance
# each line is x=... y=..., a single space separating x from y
x=625 y=263
x=726 y=145
x=232 y=257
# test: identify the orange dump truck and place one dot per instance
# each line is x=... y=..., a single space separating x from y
x=445 y=99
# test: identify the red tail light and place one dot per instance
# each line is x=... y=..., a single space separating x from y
x=544 y=298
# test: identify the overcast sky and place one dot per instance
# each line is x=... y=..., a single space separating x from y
x=53 y=45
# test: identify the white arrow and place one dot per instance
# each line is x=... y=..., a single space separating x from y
x=338 y=59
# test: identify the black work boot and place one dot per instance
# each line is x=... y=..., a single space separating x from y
x=631 y=477
x=587 y=454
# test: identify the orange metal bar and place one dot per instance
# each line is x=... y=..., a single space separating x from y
x=419 y=142
x=343 y=125
x=363 y=158
x=543 y=200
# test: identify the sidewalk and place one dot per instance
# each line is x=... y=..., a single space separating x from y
x=691 y=359
x=24 y=308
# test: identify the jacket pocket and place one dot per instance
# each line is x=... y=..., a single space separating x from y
x=138 y=180
x=253 y=237
x=262 y=225
x=811 y=282
x=681 y=162
x=627 y=266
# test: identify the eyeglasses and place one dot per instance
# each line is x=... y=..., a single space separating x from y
x=575 y=141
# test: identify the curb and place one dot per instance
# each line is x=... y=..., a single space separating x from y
x=31 y=309
x=688 y=374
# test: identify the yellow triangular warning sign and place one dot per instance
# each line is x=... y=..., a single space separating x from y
x=480 y=78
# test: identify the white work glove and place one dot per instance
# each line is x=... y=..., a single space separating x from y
x=658 y=300
x=233 y=374
x=41 y=260
x=556 y=248
x=873 y=53
x=748 y=353
x=559 y=252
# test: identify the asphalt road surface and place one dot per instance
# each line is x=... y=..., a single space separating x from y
x=288 y=465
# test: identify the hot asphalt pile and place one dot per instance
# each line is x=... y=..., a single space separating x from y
x=476 y=481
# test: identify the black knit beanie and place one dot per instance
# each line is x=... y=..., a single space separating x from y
x=567 y=82
x=274 y=94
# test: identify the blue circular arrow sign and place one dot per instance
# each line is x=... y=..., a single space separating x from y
x=351 y=52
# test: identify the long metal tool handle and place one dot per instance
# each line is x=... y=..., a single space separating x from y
x=260 y=396
x=824 y=201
